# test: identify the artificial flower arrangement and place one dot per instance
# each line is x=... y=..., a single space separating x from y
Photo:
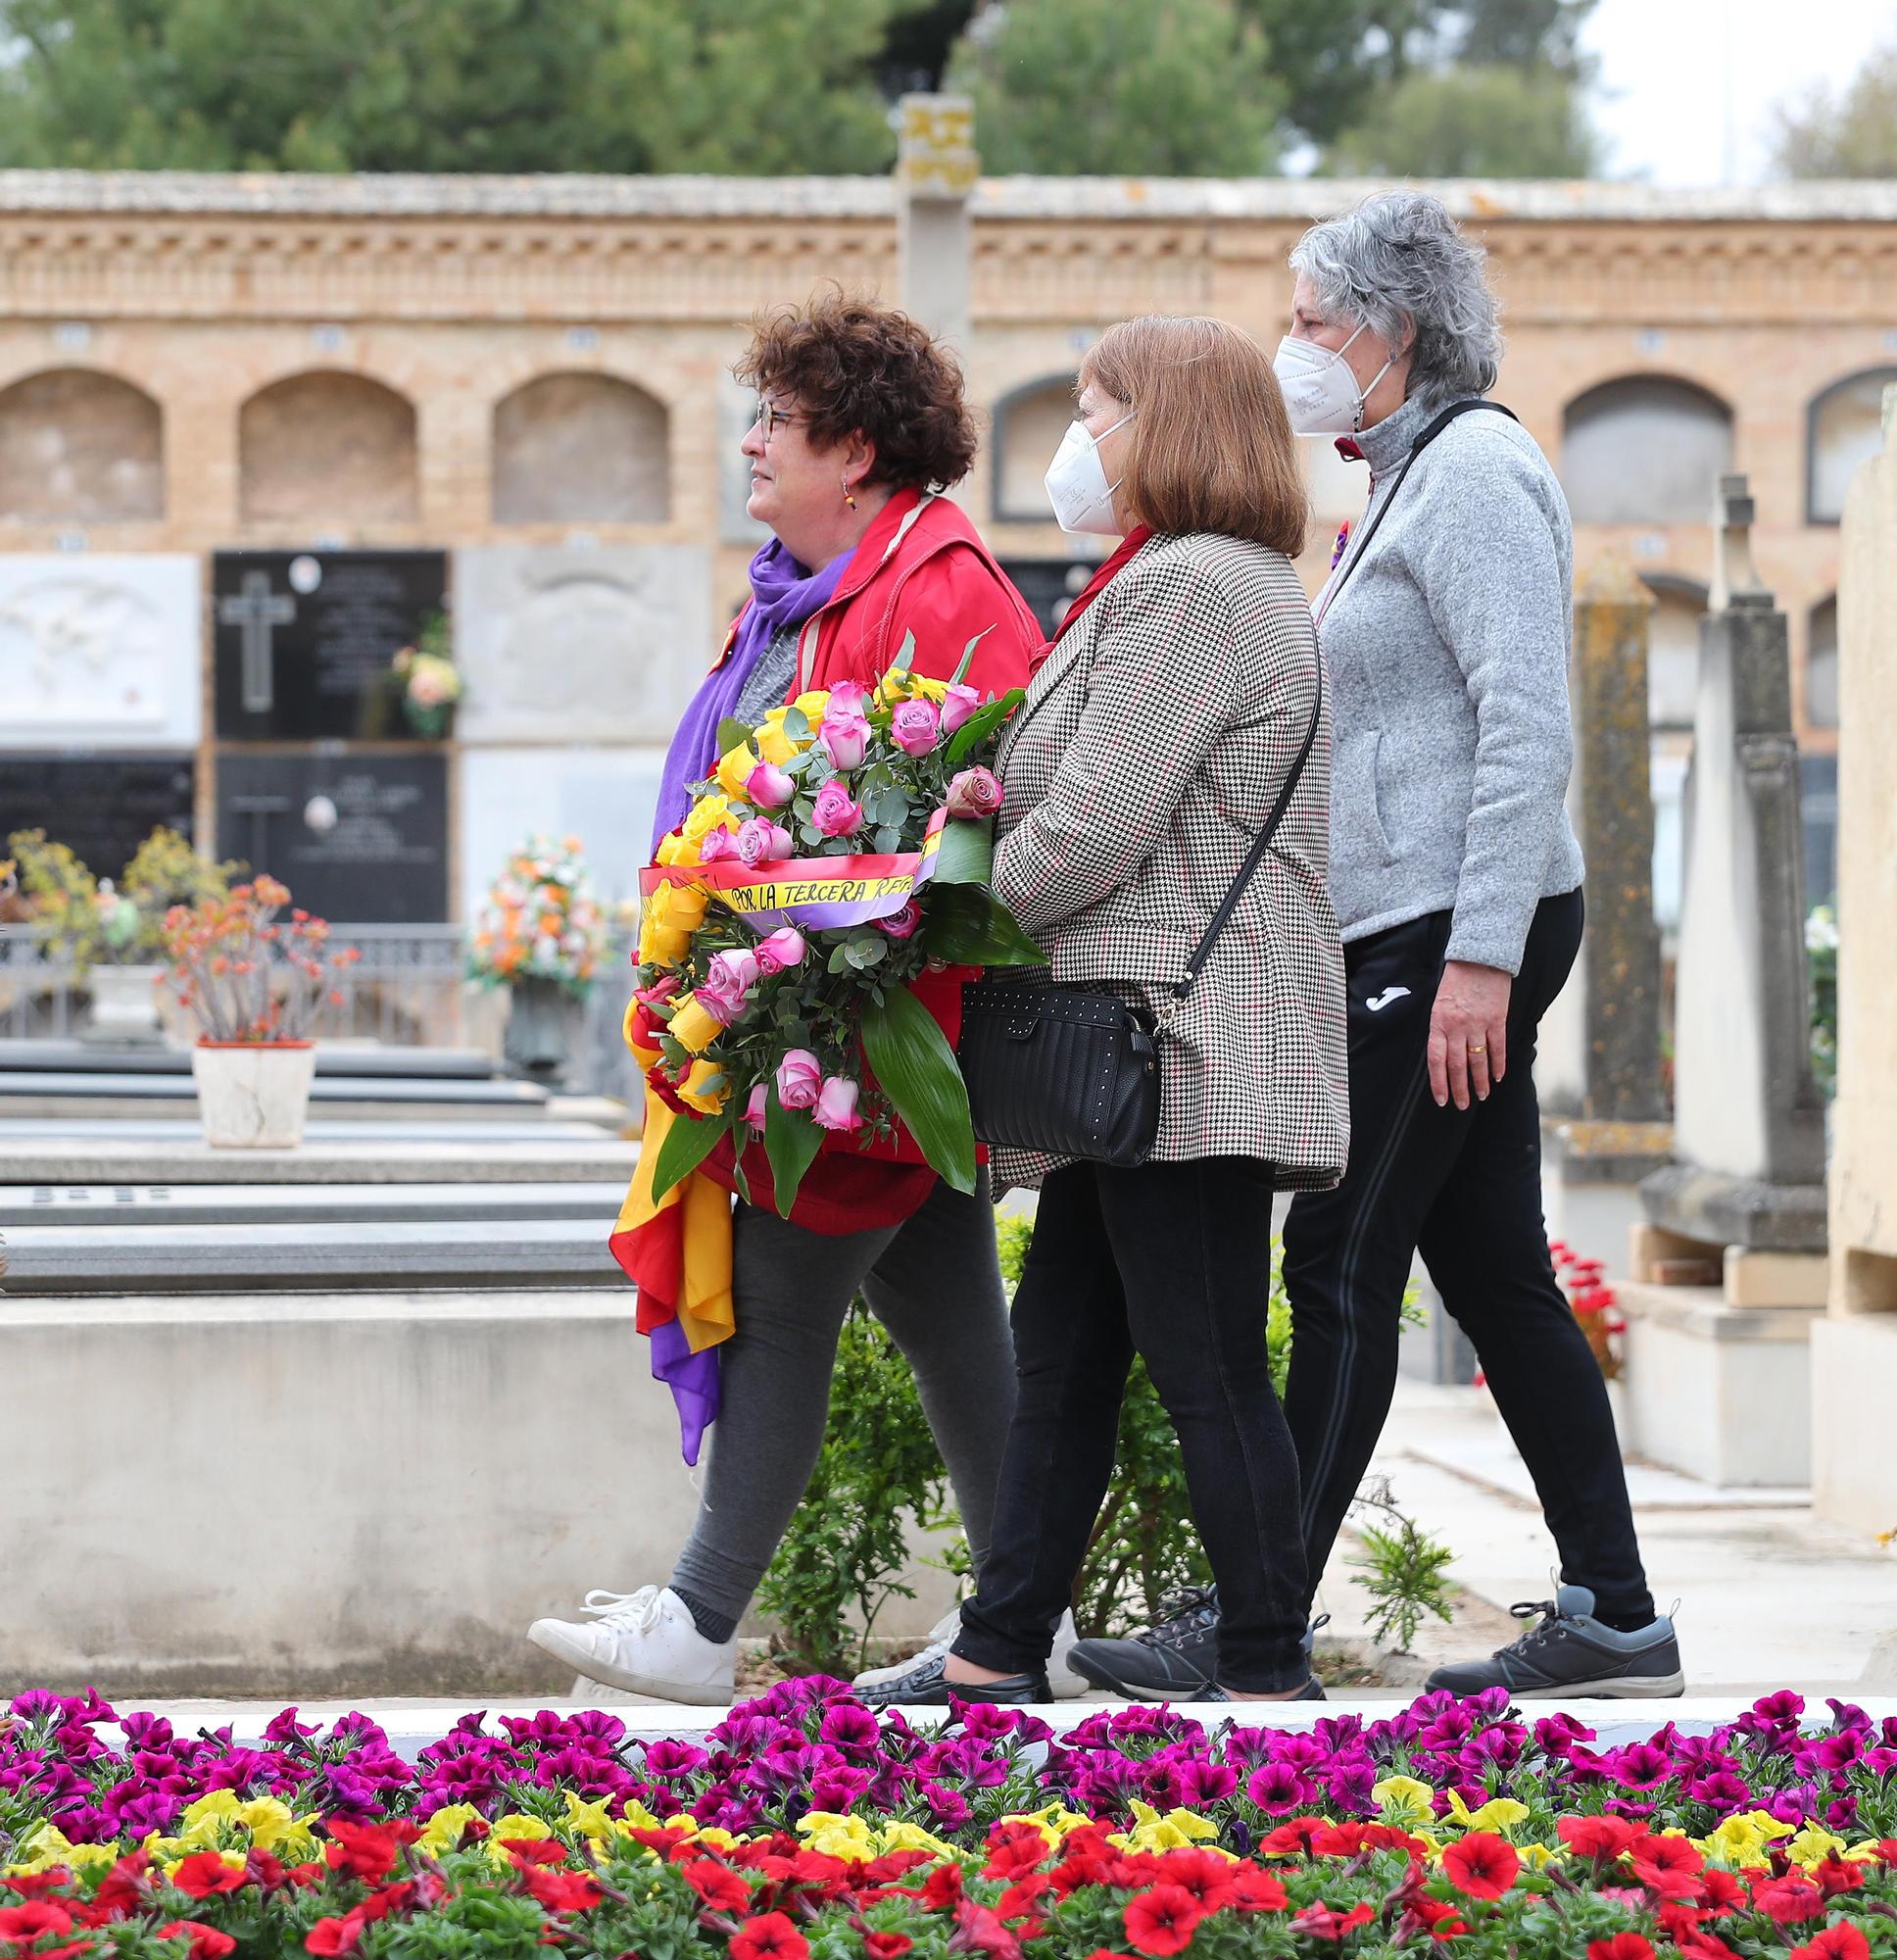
x=229 y=954
x=802 y=1826
x=427 y=681
x=841 y=849
x=541 y=920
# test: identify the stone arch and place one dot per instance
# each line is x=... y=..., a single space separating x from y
x=581 y=448
x=1644 y=449
x=80 y=446
x=1843 y=427
x=328 y=451
x=1027 y=426
x=1822 y=664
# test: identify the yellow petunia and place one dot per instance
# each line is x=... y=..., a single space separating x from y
x=1053 y=1822
x=902 y=1835
x=49 y=1846
x=1174 y=1832
x=1539 y=1857
x=1812 y=1846
x=516 y=1824
x=693 y=1026
x=639 y=1818
x=588 y=1819
x=1499 y=1813
x=1404 y=1800
x=235 y=1860
x=837 y=1835
x=446 y=1828
x=1738 y=1841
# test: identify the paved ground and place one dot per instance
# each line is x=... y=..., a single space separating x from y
x=1767 y=1596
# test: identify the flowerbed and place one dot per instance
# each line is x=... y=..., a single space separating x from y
x=807 y=1828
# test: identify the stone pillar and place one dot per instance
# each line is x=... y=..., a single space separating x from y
x=1598 y=1065
x=1733 y=1258
x=936 y=169
x=1854 y=1348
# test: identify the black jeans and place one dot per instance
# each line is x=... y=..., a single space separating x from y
x=1168 y=1261
x=1463 y=1186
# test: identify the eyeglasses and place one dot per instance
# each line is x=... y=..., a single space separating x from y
x=770 y=418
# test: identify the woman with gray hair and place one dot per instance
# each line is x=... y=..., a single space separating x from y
x=1445 y=628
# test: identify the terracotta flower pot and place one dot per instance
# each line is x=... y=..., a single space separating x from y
x=254 y=1096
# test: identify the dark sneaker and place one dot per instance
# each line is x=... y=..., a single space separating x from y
x=1312 y=1690
x=1174 y=1660
x=1568 y=1654
x=927 y=1686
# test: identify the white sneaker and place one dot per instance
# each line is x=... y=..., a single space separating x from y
x=644 y=1642
x=1062 y=1682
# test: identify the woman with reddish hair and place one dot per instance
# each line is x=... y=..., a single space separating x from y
x=861 y=425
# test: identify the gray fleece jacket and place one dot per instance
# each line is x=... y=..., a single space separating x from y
x=1448 y=656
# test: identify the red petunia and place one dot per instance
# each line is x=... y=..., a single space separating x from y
x=1207 y=1878
x=1253 y=1890
x=1014 y=1857
x=27 y=1922
x=204 y=1874
x=942 y=1887
x=330 y=1938
x=562 y=1891
x=1838 y=1875
x=1835 y=1942
x=1789 y=1900
x=1668 y=1866
x=1481 y=1864
x=886 y=1946
x=365 y=1850
x=1292 y=1836
x=1597 y=1837
x=1161 y=1921
x=718 y=1885
x=769 y=1936
x=1023 y=1895
x=1326 y=1921
x=1622 y=1947
x=1722 y=1892
x=36 y=1885
x=206 y=1942
x=1438 y=1918
x=534 y=1850
x=979 y=1931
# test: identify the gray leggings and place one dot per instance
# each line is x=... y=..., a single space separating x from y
x=934 y=1282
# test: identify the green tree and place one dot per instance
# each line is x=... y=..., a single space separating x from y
x=506 y=85
x=1330 y=56
x=1120 y=89
x=1473 y=123
x=1850 y=134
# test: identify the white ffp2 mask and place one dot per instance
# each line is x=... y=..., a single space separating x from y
x=1077 y=485
x=1321 y=393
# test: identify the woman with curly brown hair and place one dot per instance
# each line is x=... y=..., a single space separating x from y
x=860 y=425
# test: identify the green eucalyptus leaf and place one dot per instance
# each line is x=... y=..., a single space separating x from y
x=797 y=725
x=731 y=732
x=911 y=1057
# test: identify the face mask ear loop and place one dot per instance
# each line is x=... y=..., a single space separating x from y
x=1364 y=396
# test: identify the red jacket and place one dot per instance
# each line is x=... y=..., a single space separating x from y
x=921 y=568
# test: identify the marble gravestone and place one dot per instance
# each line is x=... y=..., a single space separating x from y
x=99 y=650
x=601 y=642
x=361 y=839
x=103 y=806
x=303 y=640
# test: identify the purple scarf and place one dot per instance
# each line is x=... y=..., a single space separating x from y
x=783 y=595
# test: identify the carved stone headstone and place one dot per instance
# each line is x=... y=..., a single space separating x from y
x=580 y=644
x=936 y=169
x=100 y=649
x=1748 y=1119
x=303 y=640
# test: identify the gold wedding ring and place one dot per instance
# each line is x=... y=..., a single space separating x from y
x=1479 y=1048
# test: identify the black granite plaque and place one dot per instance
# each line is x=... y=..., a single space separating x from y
x=1049 y=585
x=356 y=838
x=304 y=639
x=103 y=806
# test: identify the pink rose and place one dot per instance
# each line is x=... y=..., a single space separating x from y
x=723 y=991
x=835 y=814
x=769 y=787
x=716 y=845
x=845 y=736
x=799 y=1079
x=847 y=697
x=915 y=727
x=973 y=793
x=760 y=840
x=961 y=701
x=903 y=924
x=662 y=988
x=783 y=949
x=755 y=1108
x=837 y=1106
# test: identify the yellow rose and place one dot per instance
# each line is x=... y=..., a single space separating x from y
x=773 y=743
x=673 y=850
x=813 y=702
x=691 y=1026
x=734 y=768
x=661 y=947
x=710 y=813
x=704 y=1090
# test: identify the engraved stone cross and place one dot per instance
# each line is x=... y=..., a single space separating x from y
x=256 y=609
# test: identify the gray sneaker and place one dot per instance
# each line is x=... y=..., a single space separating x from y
x=1568 y=1654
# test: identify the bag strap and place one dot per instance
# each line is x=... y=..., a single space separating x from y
x=1262 y=843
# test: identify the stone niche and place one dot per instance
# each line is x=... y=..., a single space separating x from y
x=580 y=642
x=77 y=447
x=581 y=449
x=327 y=452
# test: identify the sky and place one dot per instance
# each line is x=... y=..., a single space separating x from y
x=1672 y=69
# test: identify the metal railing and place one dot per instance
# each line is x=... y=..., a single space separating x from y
x=409 y=990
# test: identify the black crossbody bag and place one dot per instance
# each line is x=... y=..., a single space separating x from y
x=1074 y=1071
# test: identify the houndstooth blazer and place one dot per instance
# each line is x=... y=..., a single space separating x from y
x=1142 y=764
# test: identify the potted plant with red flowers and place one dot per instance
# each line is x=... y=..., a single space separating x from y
x=256 y=980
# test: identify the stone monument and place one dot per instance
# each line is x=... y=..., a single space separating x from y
x=1854 y=1347
x=1730 y=1265
x=1597 y=1066
x=936 y=169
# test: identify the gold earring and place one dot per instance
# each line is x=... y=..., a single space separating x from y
x=847 y=497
